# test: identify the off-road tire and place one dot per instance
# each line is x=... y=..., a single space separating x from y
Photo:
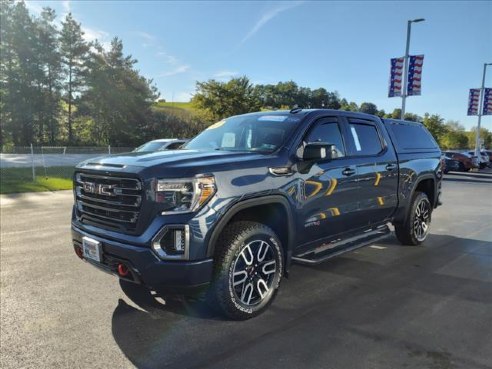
x=407 y=232
x=235 y=238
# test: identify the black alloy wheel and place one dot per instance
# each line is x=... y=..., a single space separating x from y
x=248 y=269
x=415 y=229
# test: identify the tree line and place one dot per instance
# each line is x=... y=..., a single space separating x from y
x=56 y=88
x=216 y=100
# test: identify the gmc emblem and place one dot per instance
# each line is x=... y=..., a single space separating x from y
x=98 y=189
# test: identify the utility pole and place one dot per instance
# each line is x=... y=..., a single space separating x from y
x=405 y=71
x=480 y=111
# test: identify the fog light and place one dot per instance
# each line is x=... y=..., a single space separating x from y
x=179 y=240
x=172 y=242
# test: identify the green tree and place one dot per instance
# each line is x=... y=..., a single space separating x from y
x=413 y=117
x=454 y=140
x=8 y=64
x=368 y=108
x=223 y=99
x=381 y=113
x=21 y=72
x=485 y=135
x=435 y=124
x=454 y=125
x=396 y=114
x=117 y=98
x=267 y=95
x=348 y=106
x=50 y=84
x=74 y=51
x=287 y=94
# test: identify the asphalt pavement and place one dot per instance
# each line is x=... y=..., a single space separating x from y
x=383 y=306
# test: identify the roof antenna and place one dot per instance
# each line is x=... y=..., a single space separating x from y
x=295 y=109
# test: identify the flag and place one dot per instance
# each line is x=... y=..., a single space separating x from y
x=415 y=75
x=487 y=101
x=395 y=77
x=473 y=99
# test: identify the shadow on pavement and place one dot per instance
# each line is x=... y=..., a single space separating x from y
x=330 y=309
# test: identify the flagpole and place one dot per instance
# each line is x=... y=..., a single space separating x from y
x=480 y=111
x=405 y=71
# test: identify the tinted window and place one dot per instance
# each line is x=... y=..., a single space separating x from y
x=412 y=136
x=366 y=139
x=328 y=132
x=174 y=146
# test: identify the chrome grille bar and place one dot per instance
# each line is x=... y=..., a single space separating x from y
x=108 y=201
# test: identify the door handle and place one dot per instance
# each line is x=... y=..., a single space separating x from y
x=348 y=172
x=391 y=167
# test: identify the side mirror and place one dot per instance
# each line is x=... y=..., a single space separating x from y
x=317 y=151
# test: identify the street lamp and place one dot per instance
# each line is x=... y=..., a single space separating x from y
x=405 y=72
x=480 y=111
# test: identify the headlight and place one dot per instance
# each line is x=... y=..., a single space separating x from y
x=184 y=195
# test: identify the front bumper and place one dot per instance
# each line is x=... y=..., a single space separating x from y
x=146 y=268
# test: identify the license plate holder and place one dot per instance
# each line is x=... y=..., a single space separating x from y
x=91 y=249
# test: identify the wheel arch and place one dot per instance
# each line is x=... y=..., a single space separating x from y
x=426 y=184
x=274 y=211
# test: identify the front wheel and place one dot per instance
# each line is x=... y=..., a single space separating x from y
x=248 y=269
x=417 y=224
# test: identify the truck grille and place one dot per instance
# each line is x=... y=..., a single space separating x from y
x=112 y=202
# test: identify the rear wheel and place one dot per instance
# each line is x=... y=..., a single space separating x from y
x=416 y=227
x=461 y=167
x=248 y=270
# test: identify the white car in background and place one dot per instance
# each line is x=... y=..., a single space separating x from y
x=483 y=159
x=162 y=144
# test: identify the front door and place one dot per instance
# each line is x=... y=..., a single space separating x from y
x=329 y=188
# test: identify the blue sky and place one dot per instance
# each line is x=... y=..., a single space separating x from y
x=342 y=46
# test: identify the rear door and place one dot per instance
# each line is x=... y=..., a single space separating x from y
x=377 y=170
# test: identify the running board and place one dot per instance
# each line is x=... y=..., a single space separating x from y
x=336 y=248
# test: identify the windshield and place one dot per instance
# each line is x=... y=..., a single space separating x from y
x=252 y=132
x=151 y=146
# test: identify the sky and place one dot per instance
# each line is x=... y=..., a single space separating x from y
x=343 y=46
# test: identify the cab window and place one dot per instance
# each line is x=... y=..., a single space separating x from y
x=365 y=138
x=328 y=131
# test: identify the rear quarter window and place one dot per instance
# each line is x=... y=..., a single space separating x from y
x=412 y=136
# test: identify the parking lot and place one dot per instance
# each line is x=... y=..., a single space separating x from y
x=384 y=306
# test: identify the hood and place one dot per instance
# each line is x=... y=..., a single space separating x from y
x=177 y=162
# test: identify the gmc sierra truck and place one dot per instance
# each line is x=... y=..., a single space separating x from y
x=251 y=194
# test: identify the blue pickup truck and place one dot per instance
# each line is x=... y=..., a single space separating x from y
x=228 y=213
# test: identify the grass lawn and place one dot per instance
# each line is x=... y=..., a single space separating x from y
x=14 y=180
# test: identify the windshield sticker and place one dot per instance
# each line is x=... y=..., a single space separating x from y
x=272 y=118
x=217 y=125
x=228 y=140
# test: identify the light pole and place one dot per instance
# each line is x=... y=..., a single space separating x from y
x=405 y=71
x=480 y=111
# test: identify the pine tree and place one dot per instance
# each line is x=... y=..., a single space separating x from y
x=117 y=97
x=20 y=71
x=50 y=62
x=73 y=49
